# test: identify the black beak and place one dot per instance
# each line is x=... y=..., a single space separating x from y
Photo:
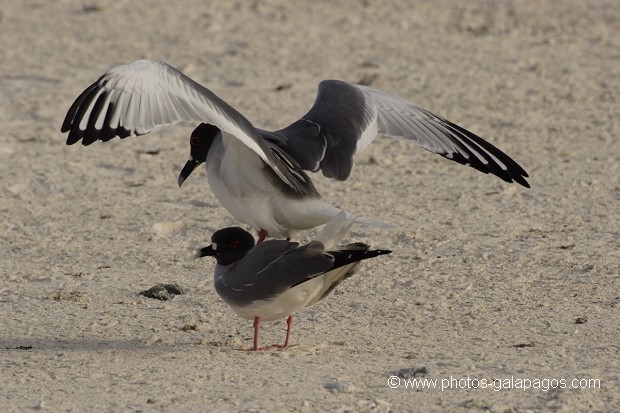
x=188 y=169
x=205 y=252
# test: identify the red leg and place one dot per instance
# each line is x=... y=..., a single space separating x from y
x=256 y=330
x=289 y=327
x=262 y=234
x=289 y=324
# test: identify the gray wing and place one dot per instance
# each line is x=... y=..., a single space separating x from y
x=135 y=98
x=302 y=141
x=348 y=117
x=271 y=268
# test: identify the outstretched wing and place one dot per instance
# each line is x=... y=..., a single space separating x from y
x=138 y=97
x=348 y=117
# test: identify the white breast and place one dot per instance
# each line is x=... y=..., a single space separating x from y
x=237 y=177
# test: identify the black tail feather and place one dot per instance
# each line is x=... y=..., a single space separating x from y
x=355 y=252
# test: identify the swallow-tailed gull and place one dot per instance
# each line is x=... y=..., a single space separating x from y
x=276 y=278
x=258 y=175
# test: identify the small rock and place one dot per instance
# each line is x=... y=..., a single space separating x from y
x=163 y=291
x=17 y=188
x=74 y=296
x=152 y=340
x=410 y=372
x=475 y=404
x=164 y=229
x=91 y=8
x=340 y=387
x=22 y=348
x=382 y=405
x=151 y=152
x=581 y=320
x=368 y=79
x=232 y=342
x=524 y=345
x=370 y=64
x=283 y=86
x=189 y=327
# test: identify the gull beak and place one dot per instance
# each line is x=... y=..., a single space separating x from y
x=188 y=169
x=205 y=252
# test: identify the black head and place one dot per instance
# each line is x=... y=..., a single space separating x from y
x=200 y=142
x=228 y=245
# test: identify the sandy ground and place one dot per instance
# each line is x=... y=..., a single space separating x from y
x=488 y=281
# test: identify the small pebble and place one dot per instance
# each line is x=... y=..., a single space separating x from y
x=382 y=405
x=368 y=79
x=189 y=327
x=164 y=229
x=340 y=387
x=163 y=291
x=232 y=342
x=152 y=340
x=410 y=372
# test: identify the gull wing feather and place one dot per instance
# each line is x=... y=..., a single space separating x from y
x=136 y=98
x=349 y=117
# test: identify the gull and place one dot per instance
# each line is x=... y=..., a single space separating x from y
x=260 y=176
x=276 y=278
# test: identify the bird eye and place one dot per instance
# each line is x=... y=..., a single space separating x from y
x=234 y=244
x=193 y=141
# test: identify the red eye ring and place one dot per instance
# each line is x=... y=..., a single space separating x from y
x=234 y=244
x=193 y=141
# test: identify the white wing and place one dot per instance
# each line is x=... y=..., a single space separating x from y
x=395 y=117
x=135 y=98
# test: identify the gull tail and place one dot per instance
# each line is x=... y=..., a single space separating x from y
x=337 y=228
x=369 y=222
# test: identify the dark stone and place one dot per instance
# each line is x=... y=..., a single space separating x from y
x=163 y=291
x=410 y=372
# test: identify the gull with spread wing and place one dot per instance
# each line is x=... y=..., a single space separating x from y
x=257 y=175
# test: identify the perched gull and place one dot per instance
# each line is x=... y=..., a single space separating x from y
x=258 y=175
x=276 y=278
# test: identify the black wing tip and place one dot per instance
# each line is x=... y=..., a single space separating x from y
x=517 y=179
x=74 y=138
x=509 y=176
x=89 y=137
x=71 y=142
x=521 y=180
x=77 y=110
x=513 y=172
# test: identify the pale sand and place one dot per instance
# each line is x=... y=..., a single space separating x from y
x=486 y=280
